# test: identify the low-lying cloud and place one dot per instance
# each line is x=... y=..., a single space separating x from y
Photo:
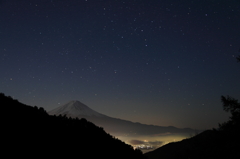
x=156 y=143
x=136 y=142
x=149 y=143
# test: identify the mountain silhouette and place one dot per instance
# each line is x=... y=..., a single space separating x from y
x=29 y=132
x=75 y=109
x=114 y=126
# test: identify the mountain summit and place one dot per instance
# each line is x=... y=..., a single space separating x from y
x=75 y=109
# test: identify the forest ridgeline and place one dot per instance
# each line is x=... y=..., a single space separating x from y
x=30 y=132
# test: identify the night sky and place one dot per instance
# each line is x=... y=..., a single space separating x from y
x=161 y=62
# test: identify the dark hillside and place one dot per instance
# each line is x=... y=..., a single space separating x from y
x=208 y=144
x=30 y=132
x=221 y=143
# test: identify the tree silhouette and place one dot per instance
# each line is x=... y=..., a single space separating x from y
x=233 y=106
x=230 y=104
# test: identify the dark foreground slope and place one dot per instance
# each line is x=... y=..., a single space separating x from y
x=210 y=144
x=30 y=132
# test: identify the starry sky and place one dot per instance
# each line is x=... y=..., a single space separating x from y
x=161 y=62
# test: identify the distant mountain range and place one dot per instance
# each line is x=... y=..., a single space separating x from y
x=76 y=109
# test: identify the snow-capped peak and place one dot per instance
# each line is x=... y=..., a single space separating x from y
x=75 y=108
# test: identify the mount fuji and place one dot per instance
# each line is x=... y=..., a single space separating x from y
x=76 y=109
